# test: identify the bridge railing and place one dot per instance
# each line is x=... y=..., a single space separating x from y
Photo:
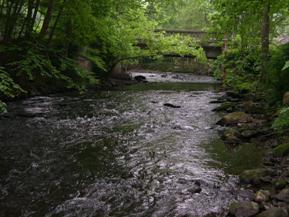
x=204 y=37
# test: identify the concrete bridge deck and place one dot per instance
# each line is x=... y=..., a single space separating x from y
x=208 y=41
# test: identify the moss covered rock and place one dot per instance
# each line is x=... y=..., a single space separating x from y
x=280 y=183
x=253 y=176
x=244 y=209
x=274 y=212
x=281 y=150
x=235 y=118
x=226 y=106
x=231 y=136
x=283 y=195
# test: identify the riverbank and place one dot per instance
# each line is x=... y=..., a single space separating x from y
x=247 y=119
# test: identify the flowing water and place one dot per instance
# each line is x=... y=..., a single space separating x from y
x=118 y=153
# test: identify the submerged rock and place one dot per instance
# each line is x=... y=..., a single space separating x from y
x=171 y=105
x=244 y=209
x=274 y=212
x=255 y=176
x=235 y=118
x=195 y=189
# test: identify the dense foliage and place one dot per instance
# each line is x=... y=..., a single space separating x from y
x=282 y=121
x=42 y=40
x=252 y=28
x=255 y=60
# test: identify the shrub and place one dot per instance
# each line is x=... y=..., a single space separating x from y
x=279 y=72
x=242 y=68
x=2 y=107
x=8 y=88
x=37 y=67
x=282 y=121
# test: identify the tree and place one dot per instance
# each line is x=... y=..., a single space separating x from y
x=255 y=22
x=42 y=39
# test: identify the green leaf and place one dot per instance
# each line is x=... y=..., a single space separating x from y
x=286 y=66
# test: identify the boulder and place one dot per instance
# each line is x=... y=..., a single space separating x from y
x=244 y=209
x=226 y=106
x=231 y=136
x=283 y=195
x=262 y=196
x=195 y=189
x=171 y=105
x=255 y=176
x=247 y=134
x=140 y=78
x=235 y=118
x=252 y=107
x=280 y=183
x=274 y=212
x=286 y=99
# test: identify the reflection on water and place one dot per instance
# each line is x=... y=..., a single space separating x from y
x=120 y=153
x=234 y=160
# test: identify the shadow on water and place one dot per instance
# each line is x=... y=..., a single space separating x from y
x=118 y=153
x=234 y=160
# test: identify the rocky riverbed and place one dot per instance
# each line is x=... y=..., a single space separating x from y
x=247 y=120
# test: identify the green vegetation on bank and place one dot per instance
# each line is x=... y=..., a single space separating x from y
x=256 y=56
x=44 y=42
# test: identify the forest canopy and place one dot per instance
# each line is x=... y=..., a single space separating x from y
x=41 y=40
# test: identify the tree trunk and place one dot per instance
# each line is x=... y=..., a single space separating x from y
x=6 y=34
x=13 y=16
x=36 y=8
x=56 y=22
x=265 y=37
x=27 y=20
x=47 y=19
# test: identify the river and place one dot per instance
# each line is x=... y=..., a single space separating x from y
x=126 y=152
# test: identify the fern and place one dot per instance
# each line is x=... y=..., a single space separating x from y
x=93 y=56
x=7 y=85
x=37 y=62
x=33 y=62
x=8 y=88
x=286 y=66
x=282 y=121
x=3 y=108
x=79 y=78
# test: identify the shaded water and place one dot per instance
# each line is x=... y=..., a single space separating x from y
x=116 y=153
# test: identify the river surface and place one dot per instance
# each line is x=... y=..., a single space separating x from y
x=119 y=153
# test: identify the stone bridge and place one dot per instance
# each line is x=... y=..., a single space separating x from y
x=208 y=40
